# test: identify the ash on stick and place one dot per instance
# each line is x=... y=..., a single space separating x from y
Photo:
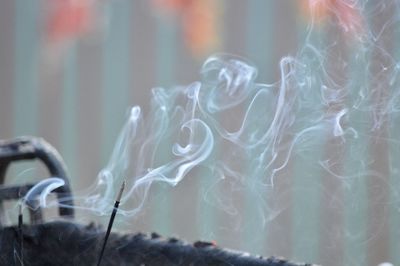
x=110 y=223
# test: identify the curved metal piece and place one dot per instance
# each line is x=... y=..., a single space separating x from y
x=29 y=148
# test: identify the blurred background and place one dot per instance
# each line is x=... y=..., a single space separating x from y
x=71 y=70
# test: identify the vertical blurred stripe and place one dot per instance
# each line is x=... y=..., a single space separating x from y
x=207 y=219
x=260 y=29
x=166 y=38
x=394 y=211
x=355 y=202
x=355 y=188
x=307 y=178
x=26 y=79
x=166 y=43
x=117 y=72
x=258 y=50
x=334 y=150
x=6 y=67
x=306 y=206
x=394 y=208
x=378 y=179
x=69 y=133
x=299 y=194
x=26 y=90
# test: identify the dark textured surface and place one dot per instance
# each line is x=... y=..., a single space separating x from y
x=65 y=243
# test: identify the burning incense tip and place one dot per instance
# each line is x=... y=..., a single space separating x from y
x=120 y=191
x=20 y=208
x=110 y=223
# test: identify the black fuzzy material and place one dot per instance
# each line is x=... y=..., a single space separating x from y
x=67 y=243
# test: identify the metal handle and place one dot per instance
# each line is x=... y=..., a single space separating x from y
x=29 y=148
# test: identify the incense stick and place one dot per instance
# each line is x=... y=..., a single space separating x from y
x=21 y=238
x=110 y=223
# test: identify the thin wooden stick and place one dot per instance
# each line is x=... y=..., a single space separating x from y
x=20 y=235
x=110 y=223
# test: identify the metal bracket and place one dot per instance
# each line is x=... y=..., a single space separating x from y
x=30 y=148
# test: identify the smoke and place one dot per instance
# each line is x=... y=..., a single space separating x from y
x=259 y=124
x=327 y=92
x=42 y=190
x=335 y=107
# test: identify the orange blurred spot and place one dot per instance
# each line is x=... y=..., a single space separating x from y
x=199 y=26
x=345 y=11
x=68 y=19
x=172 y=5
x=199 y=22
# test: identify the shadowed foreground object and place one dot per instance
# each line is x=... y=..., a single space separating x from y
x=32 y=148
x=66 y=243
